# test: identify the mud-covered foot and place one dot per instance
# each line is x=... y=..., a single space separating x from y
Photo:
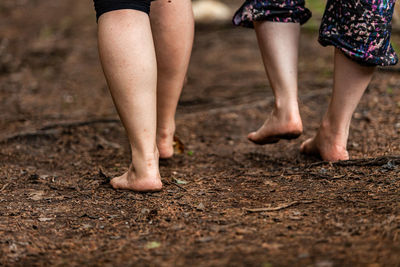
x=165 y=142
x=326 y=145
x=145 y=178
x=277 y=127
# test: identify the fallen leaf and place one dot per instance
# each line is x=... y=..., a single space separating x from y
x=179 y=147
x=324 y=263
x=86 y=226
x=180 y=181
x=44 y=219
x=178 y=227
x=36 y=195
x=205 y=239
x=153 y=244
x=242 y=231
x=200 y=207
x=145 y=211
x=295 y=218
x=272 y=246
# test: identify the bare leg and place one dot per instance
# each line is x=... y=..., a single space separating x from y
x=279 y=44
x=173 y=29
x=350 y=81
x=129 y=63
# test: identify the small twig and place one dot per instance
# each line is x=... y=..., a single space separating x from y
x=379 y=161
x=4 y=187
x=177 y=185
x=284 y=206
x=48 y=130
x=78 y=123
x=184 y=189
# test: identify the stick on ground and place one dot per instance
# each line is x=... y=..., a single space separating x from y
x=281 y=207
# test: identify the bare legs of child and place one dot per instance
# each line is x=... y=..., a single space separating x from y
x=278 y=43
x=129 y=59
x=350 y=81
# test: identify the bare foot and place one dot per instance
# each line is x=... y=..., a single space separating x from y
x=277 y=127
x=147 y=179
x=130 y=181
x=165 y=142
x=325 y=144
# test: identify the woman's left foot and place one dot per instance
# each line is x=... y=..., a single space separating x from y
x=327 y=145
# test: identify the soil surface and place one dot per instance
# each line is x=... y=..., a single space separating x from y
x=61 y=141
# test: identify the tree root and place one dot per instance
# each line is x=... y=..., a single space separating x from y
x=378 y=161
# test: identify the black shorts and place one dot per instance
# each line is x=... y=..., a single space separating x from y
x=103 y=6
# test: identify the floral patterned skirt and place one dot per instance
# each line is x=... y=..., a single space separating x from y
x=361 y=29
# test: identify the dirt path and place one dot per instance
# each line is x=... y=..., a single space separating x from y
x=61 y=141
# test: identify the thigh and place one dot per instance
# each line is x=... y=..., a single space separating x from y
x=103 y=6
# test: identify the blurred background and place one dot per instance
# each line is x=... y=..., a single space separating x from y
x=49 y=67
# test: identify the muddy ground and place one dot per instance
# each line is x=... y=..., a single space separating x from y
x=61 y=141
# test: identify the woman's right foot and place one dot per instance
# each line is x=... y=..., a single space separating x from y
x=278 y=127
x=144 y=178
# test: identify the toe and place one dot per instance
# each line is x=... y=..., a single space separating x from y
x=251 y=136
x=119 y=182
x=307 y=147
x=114 y=183
x=303 y=147
x=259 y=139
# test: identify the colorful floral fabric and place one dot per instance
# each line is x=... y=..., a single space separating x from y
x=271 y=10
x=361 y=29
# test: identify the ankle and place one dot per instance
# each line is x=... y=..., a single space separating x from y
x=145 y=165
x=330 y=125
x=166 y=131
x=144 y=154
x=289 y=112
x=286 y=101
x=333 y=134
